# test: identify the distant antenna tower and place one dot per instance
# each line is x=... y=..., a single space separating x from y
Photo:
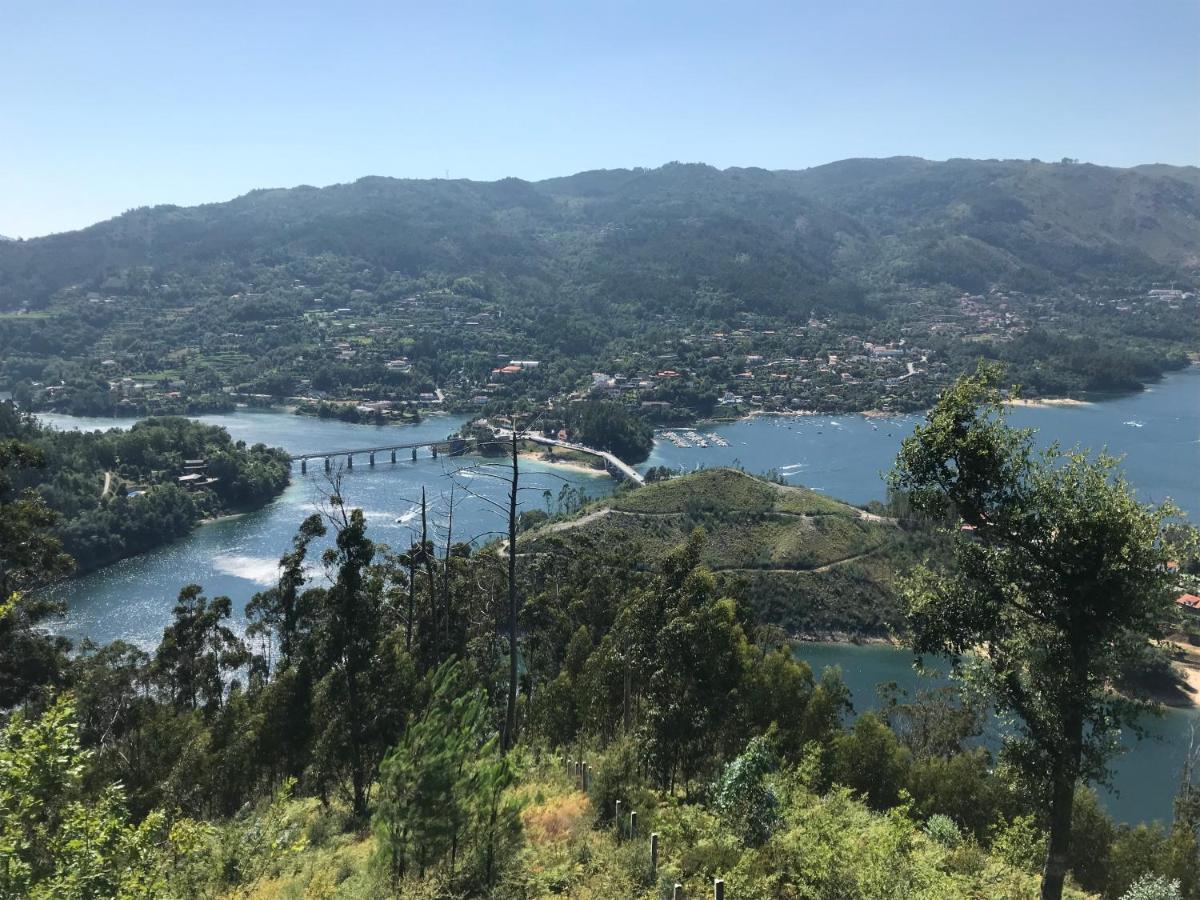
x=447 y=174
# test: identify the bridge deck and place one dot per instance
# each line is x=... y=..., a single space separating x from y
x=611 y=461
x=348 y=451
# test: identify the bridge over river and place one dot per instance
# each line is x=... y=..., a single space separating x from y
x=457 y=446
x=450 y=446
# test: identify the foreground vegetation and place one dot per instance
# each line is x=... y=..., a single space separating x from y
x=365 y=738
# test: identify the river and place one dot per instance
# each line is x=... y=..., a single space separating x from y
x=238 y=555
x=1156 y=431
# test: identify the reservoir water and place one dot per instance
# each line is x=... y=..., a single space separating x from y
x=238 y=556
x=1156 y=431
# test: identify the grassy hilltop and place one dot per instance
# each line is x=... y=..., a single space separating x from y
x=808 y=563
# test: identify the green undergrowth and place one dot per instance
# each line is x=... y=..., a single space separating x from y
x=820 y=846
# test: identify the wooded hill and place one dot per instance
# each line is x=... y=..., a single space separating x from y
x=651 y=236
x=810 y=564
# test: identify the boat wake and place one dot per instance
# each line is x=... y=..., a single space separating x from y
x=259 y=569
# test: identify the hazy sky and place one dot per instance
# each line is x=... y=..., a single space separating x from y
x=110 y=105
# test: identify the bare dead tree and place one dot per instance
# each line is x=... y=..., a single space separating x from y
x=512 y=477
x=427 y=563
x=446 y=594
x=510 y=718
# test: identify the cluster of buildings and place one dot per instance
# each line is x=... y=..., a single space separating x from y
x=195 y=475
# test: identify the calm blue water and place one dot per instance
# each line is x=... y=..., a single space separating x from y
x=1157 y=431
x=239 y=556
x=1145 y=778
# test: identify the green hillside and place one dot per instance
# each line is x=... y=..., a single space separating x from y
x=806 y=562
x=389 y=289
x=653 y=234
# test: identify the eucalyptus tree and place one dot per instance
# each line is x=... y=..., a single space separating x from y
x=1058 y=575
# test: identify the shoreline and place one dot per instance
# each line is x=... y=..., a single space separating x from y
x=573 y=466
x=1046 y=402
x=1026 y=402
x=849 y=638
x=1187 y=669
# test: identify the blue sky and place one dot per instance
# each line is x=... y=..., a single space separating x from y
x=112 y=105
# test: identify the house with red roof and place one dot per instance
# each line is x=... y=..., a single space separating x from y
x=1189 y=603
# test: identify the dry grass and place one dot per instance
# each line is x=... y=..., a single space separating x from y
x=556 y=819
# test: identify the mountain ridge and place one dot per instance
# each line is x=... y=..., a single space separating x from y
x=877 y=223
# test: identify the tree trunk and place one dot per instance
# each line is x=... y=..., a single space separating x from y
x=510 y=719
x=626 y=699
x=427 y=558
x=1062 y=804
x=412 y=598
x=446 y=568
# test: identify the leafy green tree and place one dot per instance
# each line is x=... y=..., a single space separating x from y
x=871 y=760
x=276 y=613
x=694 y=666
x=363 y=675
x=1153 y=887
x=745 y=799
x=962 y=787
x=29 y=556
x=55 y=840
x=775 y=696
x=198 y=651
x=1061 y=575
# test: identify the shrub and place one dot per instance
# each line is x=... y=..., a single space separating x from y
x=942 y=829
x=1153 y=887
x=617 y=777
x=745 y=801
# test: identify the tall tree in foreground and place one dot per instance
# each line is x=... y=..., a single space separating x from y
x=443 y=790
x=29 y=557
x=1060 y=574
x=510 y=706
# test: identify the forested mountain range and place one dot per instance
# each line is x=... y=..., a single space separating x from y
x=773 y=239
x=862 y=284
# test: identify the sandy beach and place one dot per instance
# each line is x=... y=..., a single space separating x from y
x=561 y=463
